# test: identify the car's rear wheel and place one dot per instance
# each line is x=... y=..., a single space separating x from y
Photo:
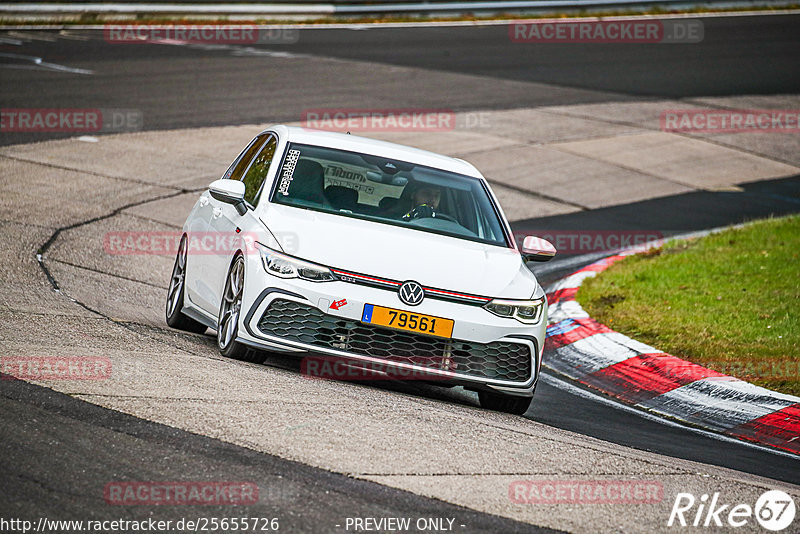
x=228 y=321
x=504 y=403
x=175 y=318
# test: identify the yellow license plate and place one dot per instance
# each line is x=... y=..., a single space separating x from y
x=403 y=320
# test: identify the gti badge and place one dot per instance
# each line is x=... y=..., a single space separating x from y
x=411 y=293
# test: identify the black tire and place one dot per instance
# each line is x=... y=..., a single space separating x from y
x=177 y=284
x=504 y=403
x=228 y=319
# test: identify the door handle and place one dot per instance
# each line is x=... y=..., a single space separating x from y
x=203 y=201
x=217 y=213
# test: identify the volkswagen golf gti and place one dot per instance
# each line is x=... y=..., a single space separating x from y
x=378 y=255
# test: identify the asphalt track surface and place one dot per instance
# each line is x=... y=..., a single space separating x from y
x=181 y=87
x=178 y=87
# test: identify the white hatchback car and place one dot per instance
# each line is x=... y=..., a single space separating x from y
x=376 y=254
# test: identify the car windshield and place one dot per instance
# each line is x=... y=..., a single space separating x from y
x=388 y=191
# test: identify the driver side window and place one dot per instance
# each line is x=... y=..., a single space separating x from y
x=257 y=173
x=236 y=170
x=253 y=165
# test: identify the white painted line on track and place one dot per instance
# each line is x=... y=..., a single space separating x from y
x=37 y=62
x=34 y=36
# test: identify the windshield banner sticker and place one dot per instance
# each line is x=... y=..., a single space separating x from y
x=288 y=171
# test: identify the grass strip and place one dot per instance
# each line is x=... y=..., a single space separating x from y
x=728 y=301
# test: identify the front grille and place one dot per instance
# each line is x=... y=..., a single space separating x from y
x=499 y=360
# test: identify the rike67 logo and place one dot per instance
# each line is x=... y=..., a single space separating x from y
x=774 y=510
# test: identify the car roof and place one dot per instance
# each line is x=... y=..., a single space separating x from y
x=365 y=145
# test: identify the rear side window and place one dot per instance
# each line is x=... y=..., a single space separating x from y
x=257 y=172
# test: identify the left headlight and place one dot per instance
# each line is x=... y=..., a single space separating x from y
x=524 y=311
x=283 y=266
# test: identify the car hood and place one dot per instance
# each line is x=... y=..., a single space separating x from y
x=401 y=254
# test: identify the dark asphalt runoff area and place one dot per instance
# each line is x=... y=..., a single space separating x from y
x=58 y=453
x=49 y=458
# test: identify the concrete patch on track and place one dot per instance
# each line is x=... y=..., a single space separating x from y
x=550 y=170
x=664 y=156
x=615 y=153
x=434 y=443
x=780 y=147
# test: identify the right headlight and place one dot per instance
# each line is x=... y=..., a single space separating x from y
x=283 y=266
x=524 y=311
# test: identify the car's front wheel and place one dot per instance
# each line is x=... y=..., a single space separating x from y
x=175 y=294
x=228 y=321
x=504 y=403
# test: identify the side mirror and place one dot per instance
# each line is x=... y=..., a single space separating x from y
x=230 y=192
x=537 y=249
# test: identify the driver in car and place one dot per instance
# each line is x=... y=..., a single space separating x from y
x=425 y=202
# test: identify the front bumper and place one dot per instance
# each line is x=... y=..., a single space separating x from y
x=485 y=352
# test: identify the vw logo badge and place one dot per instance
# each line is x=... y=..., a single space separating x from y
x=411 y=293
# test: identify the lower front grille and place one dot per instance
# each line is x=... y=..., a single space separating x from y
x=499 y=360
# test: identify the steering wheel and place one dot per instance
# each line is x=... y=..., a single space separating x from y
x=423 y=211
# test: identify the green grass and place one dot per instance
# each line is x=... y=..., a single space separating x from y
x=728 y=301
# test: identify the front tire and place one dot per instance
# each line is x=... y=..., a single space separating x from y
x=228 y=321
x=504 y=403
x=175 y=294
